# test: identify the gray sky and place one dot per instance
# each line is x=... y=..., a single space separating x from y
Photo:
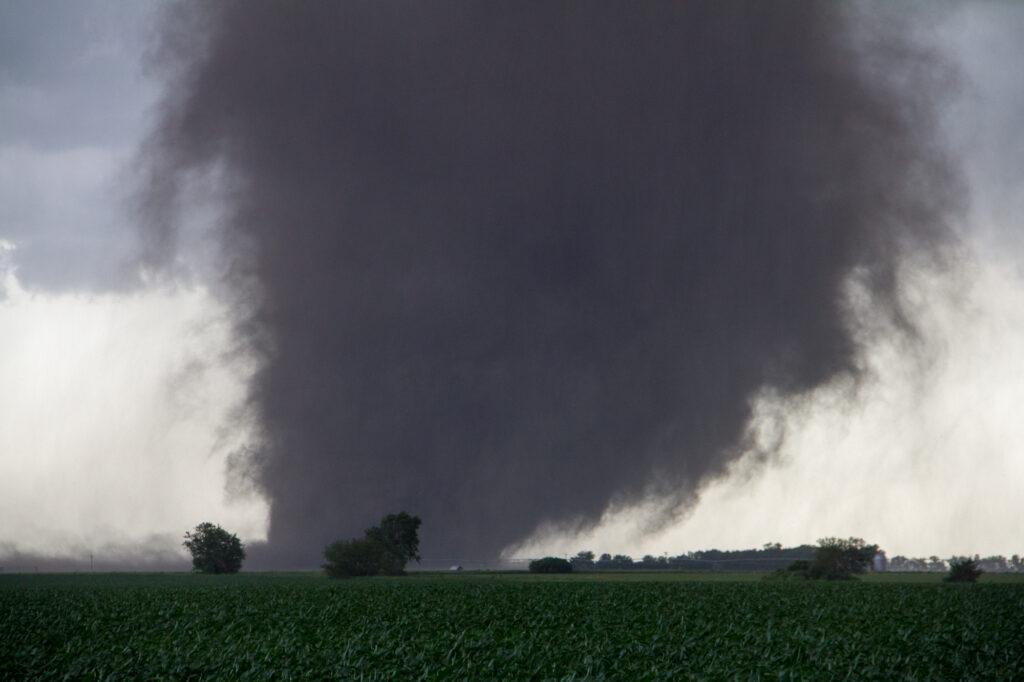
x=987 y=121
x=74 y=103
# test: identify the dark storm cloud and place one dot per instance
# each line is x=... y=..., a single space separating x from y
x=511 y=261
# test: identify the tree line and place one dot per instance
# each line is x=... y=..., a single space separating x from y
x=768 y=557
x=832 y=559
x=387 y=549
x=933 y=564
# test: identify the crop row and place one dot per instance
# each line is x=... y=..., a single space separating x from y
x=423 y=629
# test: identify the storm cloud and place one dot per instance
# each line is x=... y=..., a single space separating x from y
x=508 y=263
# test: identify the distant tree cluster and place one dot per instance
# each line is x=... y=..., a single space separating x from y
x=933 y=564
x=838 y=559
x=834 y=559
x=550 y=564
x=383 y=549
x=582 y=561
x=214 y=550
x=769 y=557
x=963 y=570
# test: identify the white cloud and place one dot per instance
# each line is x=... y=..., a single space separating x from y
x=118 y=419
x=924 y=457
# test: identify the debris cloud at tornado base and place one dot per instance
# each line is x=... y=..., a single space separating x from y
x=506 y=264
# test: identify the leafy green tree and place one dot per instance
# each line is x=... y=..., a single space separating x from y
x=550 y=564
x=834 y=559
x=583 y=560
x=354 y=558
x=383 y=550
x=798 y=570
x=963 y=570
x=839 y=559
x=398 y=534
x=623 y=561
x=214 y=550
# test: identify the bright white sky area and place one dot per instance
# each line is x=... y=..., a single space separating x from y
x=121 y=404
x=119 y=414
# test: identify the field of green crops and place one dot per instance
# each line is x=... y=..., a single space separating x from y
x=487 y=626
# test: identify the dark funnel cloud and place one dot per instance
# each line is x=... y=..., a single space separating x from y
x=506 y=262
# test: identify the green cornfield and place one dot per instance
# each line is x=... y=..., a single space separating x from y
x=499 y=626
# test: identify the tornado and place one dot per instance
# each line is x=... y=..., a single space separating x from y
x=508 y=263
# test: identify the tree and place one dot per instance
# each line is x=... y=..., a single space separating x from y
x=383 y=549
x=397 y=533
x=993 y=564
x=583 y=560
x=354 y=558
x=838 y=559
x=550 y=564
x=649 y=561
x=214 y=550
x=798 y=570
x=622 y=561
x=834 y=559
x=963 y=570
